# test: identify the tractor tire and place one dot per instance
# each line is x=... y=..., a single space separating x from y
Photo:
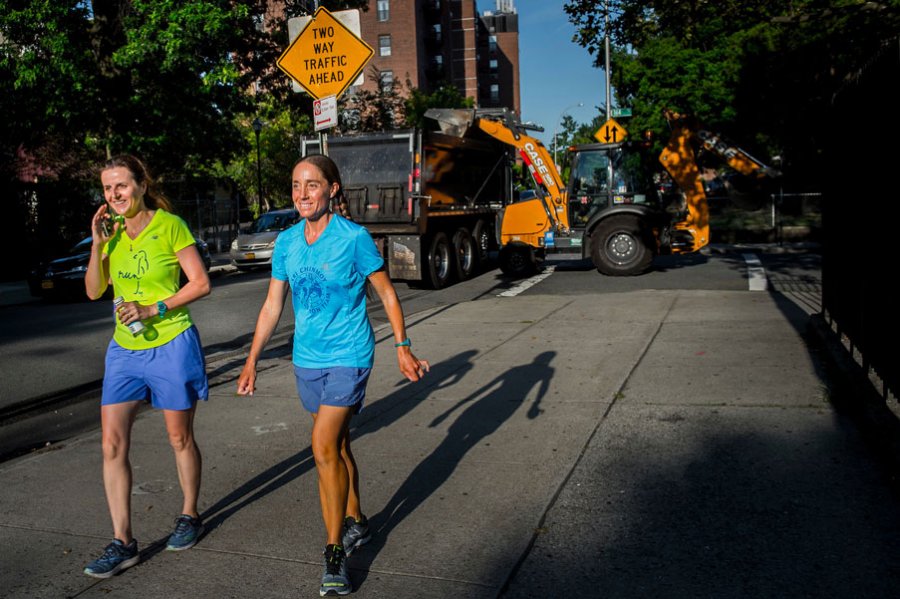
x=517 y=261
x=620 y=246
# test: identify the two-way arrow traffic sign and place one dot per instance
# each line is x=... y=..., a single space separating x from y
x=610 y=132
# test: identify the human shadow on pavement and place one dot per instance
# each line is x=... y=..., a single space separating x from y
x=486 y=409
x=380 y=414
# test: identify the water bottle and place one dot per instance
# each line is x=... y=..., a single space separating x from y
x=137 y=327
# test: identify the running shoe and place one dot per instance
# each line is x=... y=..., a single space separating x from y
x=356 y=533
x=186 y=534
x=116 y=557
x=336 y=579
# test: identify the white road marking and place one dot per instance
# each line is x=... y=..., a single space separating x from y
x=527 y=283
x=269 y=428
x=756 y=274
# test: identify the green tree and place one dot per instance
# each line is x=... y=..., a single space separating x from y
x=156 y=78
x=762 y=71
x=418 y=102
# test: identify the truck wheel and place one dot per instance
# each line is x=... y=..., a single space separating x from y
x=619 y=247
x=517 y=261
x=466 y=254
x=439 y=261
x=482 y=236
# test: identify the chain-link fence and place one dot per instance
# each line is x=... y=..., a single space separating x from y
x=772 y=218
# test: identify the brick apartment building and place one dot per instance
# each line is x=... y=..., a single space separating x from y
x=434 y=42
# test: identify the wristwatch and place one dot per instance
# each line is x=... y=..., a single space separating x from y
x=162 y=307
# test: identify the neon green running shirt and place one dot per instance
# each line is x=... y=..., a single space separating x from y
x=146 y=270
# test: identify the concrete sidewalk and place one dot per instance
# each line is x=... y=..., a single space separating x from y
x=653 y=443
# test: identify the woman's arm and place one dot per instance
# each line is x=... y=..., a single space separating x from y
x=411 y=367
x=268 y=318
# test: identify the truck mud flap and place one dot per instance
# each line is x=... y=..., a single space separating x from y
x=405 y=257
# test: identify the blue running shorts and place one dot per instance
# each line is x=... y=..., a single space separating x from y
x=340 y=386
x=171 y=376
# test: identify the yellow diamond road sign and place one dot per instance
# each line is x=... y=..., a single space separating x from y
x=326 y=57
x=610 y=132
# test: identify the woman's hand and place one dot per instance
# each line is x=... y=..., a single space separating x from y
x=129 y=312
x=410 y=366
x=247 y=381
x=98 y=231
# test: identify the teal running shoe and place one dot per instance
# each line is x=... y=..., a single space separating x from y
x=186 y=534
x=116 y=557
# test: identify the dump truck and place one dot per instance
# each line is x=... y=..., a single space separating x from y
x=428 y=199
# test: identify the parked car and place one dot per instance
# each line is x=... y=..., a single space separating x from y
x=203 y=248
x=63 y=277
x=254 y=246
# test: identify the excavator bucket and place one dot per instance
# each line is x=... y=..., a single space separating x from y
x=452 y=121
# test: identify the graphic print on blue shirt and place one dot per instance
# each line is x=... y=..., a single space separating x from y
x=310 y=288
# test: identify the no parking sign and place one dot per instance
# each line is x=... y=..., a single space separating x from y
x=325 y=112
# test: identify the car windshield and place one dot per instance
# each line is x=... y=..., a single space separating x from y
x=273 y=222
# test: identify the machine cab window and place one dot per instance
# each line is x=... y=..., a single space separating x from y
x=589 y=183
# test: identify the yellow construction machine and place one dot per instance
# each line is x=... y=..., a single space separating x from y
x=611 y=211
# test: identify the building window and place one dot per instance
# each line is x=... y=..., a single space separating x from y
x=387 y=80
x=384 y=10
x=495 y=93
x=493 y=64
x=384 y=45
x=439 y=60
x=492 y=43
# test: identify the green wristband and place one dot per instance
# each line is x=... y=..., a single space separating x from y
x=405 y=343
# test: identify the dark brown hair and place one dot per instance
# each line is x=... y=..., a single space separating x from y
x=332 y=175
x=153 y=198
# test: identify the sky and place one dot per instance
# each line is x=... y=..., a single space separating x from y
x=555 y=73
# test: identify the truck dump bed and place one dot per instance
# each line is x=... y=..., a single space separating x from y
x=397 y=177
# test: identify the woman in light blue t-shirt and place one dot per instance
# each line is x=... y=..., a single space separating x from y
x=325 y=261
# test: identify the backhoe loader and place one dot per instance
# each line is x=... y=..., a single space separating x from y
x=611 y=211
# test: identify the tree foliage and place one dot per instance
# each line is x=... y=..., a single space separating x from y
x=152 y=77
x=418 y=102
x=761 y=71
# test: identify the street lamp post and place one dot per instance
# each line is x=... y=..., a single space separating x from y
x=556 y=128
x=257 y=127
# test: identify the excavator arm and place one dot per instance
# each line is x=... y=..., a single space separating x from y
x=680 y=160
x=505 y=127
x=691 y=232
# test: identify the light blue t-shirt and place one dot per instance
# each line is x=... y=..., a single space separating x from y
x=327 y=279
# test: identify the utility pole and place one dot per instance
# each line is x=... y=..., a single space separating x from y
x=606 y=44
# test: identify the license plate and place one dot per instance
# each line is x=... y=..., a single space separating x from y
x=46 y=284
x=249 y=256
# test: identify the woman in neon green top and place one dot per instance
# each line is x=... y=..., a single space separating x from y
x=142 y=254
